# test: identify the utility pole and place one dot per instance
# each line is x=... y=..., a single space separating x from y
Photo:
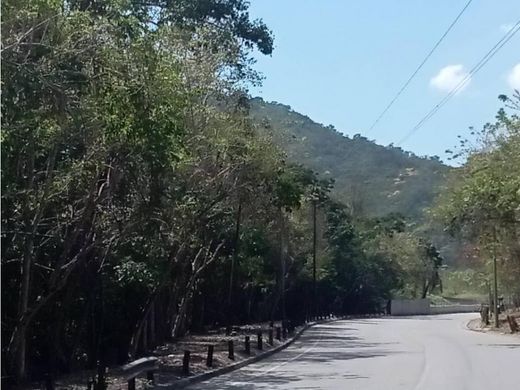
x=495 y=279
x=283 y=265
x=234 y=259
x=314 y=296
x=235 y=256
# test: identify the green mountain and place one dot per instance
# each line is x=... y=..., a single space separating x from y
x=373 y=179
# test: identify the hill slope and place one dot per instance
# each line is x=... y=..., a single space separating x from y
x=374 y=179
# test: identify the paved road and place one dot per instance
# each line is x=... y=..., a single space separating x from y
x=419 y=353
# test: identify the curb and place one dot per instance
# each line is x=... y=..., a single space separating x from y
x=488 y=330
x=481 y=330
x=182 y=383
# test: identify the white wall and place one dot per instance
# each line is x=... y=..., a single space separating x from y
x=407 y=307
x=404 y=307
x=454 y=309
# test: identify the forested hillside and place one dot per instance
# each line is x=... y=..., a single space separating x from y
x=374 y=180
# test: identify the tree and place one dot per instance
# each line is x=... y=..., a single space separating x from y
x=483 y=201
x=108 y=177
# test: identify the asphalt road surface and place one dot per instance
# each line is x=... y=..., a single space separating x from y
x=419 y=353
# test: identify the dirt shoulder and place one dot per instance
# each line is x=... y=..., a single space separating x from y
x=170 y=356
x=477 y=325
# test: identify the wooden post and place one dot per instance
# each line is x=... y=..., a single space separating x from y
x=512 y=324
x=231 y=350
x=186 y=363
x=484 y=314
x=131 y=384
x=278 y=333
x=259 y=341
x=271 y=342
x=101 y=375
x=49 y=383
x=149 y=376
x=153 y=337
x=209 y=359
x=284 y=331
x=247 y=345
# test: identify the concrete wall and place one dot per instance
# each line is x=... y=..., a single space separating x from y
x=405 y=307
x=454 y=309
x=408 y=307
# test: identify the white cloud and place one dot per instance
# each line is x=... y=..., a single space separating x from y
x=513 y=78
x=449 y=77
x=506 y=27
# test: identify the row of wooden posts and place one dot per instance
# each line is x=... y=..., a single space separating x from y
x=484 y=315
x=281 y=333
x=149 y=365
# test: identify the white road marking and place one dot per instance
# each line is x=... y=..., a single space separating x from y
x=274 y=368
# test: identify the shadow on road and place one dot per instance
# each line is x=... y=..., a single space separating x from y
x=326 y=345
x=268 y=380
x=501 y=345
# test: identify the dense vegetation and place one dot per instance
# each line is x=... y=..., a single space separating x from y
x=374 y=180
x=482 y=200
x=139 y=201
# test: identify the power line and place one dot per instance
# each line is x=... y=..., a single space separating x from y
x=483 y=61
x=419 y=67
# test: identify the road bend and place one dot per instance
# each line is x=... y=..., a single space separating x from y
x=412 y=353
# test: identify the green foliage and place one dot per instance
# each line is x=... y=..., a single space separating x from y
x=120 y=172
x=482 y=202
x=465 y=283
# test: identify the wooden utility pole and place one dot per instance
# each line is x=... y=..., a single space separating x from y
x=495 y=280
x=282 y=261
x=314 y=235
x=235 y=257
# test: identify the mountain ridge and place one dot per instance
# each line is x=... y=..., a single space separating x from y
x=373 y=179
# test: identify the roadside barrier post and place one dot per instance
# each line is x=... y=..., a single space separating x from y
x=231 y=350
x=209 y=359
x=259 y=340
x=186 y=363
x=247 y=345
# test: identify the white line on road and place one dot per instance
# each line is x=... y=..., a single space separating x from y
x=274 y=368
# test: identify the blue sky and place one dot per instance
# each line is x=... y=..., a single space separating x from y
x=341 y=61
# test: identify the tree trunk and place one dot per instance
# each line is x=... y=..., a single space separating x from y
x=426 y=287
x=140 y=330
x=180 y=318
x=20 y=333
x=20 y=343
